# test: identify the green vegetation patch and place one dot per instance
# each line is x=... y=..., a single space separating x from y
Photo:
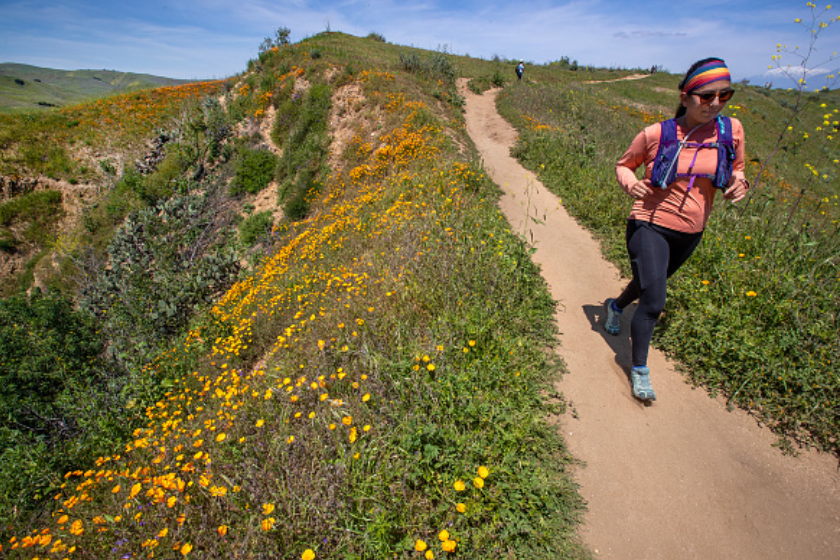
x=254 y=171
x=34 y=215
x=255 y=226
x=57 y=406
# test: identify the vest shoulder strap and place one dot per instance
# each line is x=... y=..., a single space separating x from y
x=665 y=154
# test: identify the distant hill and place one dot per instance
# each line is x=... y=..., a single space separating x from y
x=24 y=87
x=777 y=80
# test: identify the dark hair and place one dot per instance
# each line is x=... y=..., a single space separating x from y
x=695 y=66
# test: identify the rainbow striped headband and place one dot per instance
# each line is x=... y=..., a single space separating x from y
x=712 y=71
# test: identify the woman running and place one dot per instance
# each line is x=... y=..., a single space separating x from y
x=687 y=159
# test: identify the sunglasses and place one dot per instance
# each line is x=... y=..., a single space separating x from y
x=707 y=97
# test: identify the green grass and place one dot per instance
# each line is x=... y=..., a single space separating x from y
x=38 y=210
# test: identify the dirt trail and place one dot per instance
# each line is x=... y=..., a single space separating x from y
x=684 y=478
x=625 y=78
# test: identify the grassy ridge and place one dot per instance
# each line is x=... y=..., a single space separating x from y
x=58 y=143
x=355 y=396
x=754 y=313
x=25 y=88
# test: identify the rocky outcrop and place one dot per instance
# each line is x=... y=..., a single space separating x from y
x=152 y=159
x=12 y=186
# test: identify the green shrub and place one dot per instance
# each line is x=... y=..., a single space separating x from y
x=160 y=268
x=289 y=106
x=255 y=226
x=498 y=80
x=44 y=345
x=56 y=397
x=125 y=196
x=297 y=207
x=7 y=242
x=411 y=62
x=161 y=184
x=50 y=160
x=302 y=166
x=254 y=172
x=38 y=212
x=280 y=39
x=437 y=65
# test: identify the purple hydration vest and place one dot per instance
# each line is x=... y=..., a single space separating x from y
x=665 y=163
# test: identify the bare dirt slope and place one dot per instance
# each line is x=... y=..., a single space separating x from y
x=684 y=478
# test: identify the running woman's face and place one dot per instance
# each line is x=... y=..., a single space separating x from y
x=699 y=110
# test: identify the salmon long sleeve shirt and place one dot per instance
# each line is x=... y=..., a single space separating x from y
x=677 y=207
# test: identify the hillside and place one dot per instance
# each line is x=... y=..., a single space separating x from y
x=283 y=341
x=24 y=87
x=288 y=320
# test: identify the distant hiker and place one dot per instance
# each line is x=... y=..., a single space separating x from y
x=520 y=69
x=687 y=159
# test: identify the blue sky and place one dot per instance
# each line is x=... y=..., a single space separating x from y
x=216 y=38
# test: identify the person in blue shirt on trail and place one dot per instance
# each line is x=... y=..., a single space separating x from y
x=520 y=69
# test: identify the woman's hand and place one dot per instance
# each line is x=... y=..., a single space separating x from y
x=639 y=189
x=738 y=187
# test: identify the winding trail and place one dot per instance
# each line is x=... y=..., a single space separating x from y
x=681 y=479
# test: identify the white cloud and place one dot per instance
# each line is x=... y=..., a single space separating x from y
x=215 y=37
x=797 y=72
x=645 y=34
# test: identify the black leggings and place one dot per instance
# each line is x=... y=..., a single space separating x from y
x=655 y=253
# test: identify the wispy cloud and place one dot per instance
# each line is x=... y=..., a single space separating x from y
x=647 y=34
x=189 y=38
x=797 y=72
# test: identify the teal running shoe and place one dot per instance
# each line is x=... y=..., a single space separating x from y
x=642 y=389
x=613 y=323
